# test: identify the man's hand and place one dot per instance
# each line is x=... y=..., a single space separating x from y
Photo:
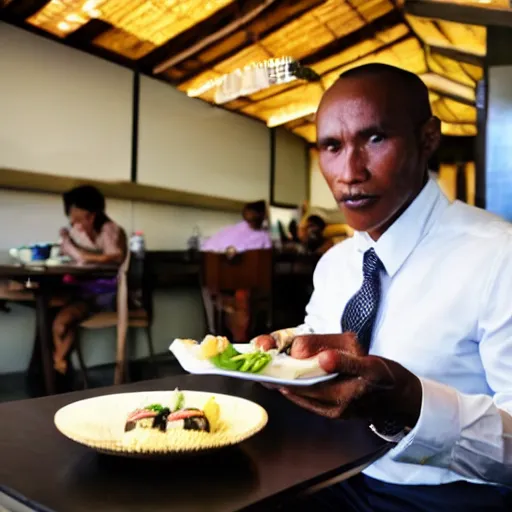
x=368 y=387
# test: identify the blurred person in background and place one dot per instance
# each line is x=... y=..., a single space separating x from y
x=312 y=235
x=248 y=234
x=92 y=238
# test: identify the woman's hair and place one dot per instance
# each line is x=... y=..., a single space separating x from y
x=88 y=198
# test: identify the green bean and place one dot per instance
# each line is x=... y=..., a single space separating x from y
x=249 y=362
x=240 y=357
x=260 y=364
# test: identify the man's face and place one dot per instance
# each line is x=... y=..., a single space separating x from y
x=371 y=153
x=313 y=229
x=253 y=218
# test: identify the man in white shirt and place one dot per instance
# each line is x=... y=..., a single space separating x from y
x=426 y=285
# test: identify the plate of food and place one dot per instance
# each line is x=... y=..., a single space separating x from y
x=215 y=355
x=148 y=424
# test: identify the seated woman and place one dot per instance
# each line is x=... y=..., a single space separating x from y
x=95 y=239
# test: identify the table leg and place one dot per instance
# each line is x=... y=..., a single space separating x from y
x=42 y=318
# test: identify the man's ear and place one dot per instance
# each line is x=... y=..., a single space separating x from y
x=430 y=136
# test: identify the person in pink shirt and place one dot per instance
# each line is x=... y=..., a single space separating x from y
x=247 y=235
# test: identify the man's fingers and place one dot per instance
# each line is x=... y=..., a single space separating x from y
x=340 y=392
x=339 y=361
x=322 y=409
x=310 y=345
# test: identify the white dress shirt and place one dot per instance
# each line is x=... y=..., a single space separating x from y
x=445 y=315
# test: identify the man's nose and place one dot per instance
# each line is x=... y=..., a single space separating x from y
x=352 y=166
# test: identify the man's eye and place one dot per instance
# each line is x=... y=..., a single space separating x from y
x=332 y=147
x=376 y=138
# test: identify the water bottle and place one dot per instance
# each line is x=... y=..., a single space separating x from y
x=193 y=245
x=136 y=274
x=194 y=242
x=137 y=245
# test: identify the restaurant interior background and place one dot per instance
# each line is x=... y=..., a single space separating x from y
x=88 y=93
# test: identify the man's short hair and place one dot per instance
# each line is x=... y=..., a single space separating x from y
x=257 y=206
x=411 y=87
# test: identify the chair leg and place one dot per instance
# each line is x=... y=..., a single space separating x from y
x=83 y=368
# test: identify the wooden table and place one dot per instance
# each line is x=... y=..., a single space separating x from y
x=294 y=453
x=46 y=279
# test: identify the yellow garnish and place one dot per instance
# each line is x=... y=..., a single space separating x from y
x=212 y=412
x=212 y=346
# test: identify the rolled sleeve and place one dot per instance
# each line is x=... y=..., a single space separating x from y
x=437 y=431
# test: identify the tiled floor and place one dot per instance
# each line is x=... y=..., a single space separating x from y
x=14 y=386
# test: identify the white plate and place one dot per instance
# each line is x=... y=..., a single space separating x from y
x=201 y=367
x=99 y=423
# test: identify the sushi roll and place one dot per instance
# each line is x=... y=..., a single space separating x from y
x=161 y=418
x=153 y=416
x=188 y=419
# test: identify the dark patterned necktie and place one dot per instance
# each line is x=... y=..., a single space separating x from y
x=361 y=310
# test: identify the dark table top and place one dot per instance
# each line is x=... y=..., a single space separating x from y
x=11 y=268
x=295 y=451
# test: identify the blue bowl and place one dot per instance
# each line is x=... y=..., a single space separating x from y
x=41 y=252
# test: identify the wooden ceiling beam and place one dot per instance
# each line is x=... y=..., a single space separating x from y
x=298 y=123
x=86 y=34
x=194 y=34
x=211 y=39
x=460 y=13
x=458 y=55
x=355 y=37
x=369 y=31
x=274 y=18
x=454 y=97
x=21 y=10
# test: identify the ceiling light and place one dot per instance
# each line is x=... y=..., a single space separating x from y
x=254 y=78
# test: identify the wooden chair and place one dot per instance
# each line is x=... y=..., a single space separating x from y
x=134 y=310
x=222 y=274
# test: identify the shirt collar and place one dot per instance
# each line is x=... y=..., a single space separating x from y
x=400 y=239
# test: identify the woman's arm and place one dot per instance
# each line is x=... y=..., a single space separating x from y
x=114 y=246
x=101 y=259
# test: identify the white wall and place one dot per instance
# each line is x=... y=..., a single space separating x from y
x=291 y=168
x=186 y=144
x=320 y=194
x=62 y=111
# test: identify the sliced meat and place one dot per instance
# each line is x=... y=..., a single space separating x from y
x=184 y=413
x=142 y=414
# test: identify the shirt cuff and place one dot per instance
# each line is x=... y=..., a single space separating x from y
x=433 y=439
